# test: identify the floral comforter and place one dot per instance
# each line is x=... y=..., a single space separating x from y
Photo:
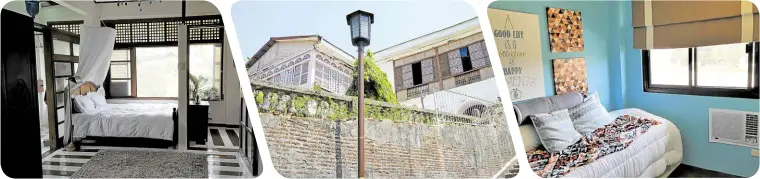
x=609 y=139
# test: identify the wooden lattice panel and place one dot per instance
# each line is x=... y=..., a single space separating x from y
x=565 y=30
x=71 y=27
x=570 y=75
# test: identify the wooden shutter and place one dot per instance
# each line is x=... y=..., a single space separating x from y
x=397 y=78
x=683 y=24
x=455 y=62
x=407 y=76
x=428 y=70
x=479 y=55
x=443 y=59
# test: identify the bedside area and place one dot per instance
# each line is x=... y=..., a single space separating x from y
x=197 y=122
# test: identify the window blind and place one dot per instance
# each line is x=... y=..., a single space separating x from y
x=682 y=24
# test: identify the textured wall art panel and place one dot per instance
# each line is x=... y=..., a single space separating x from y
x=565 y=30
x=570 y=75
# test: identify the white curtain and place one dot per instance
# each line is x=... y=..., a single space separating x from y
x=96 y=46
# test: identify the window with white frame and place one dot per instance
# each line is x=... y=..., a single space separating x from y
x=330 y=79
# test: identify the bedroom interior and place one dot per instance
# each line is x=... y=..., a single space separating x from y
x=674 y=83
x=127 y=68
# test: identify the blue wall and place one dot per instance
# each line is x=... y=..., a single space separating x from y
x=615 y=71
x=596 y=30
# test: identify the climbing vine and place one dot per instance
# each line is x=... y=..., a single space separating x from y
x=376 y=85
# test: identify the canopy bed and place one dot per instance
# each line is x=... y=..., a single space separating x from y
x=90 y=116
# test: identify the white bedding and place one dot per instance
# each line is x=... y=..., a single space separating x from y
x=647 y=156
x=126 y=120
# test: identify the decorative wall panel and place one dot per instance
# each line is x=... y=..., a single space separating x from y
x=518 y=42
x=570 y=75
x=565 y=30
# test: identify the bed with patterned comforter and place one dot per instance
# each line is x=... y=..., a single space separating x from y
x=636 y=144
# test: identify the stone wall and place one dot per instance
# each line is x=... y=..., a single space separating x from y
x=323 y=148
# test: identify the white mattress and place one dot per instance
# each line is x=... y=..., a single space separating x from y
x=647 y=156
x=126 y=120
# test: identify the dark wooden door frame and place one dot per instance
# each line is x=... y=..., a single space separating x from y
x=20 y=122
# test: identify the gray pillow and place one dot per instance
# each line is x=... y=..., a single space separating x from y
x=555 y=130
x=589 y=115
x=540 y=105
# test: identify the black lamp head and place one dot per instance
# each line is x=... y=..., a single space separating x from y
x=360 y=23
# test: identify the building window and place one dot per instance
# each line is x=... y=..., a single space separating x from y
x=417 y=73
x=465 y=57
x=729 y=70
x=121 y=73
x=206 y=62
x=329 y=78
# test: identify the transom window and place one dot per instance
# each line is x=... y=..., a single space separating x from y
x=729 y=70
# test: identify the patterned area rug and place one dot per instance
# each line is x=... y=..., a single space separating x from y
x=144 y=164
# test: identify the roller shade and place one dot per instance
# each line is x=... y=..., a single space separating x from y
x=682 y=24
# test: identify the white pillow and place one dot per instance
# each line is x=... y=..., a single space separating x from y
x=97 y=98
x=84 y=104
x=555 y=129
x=590 y=115
x=102 y=91
x=529 y=137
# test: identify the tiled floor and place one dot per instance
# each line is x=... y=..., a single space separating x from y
x=220 y=138
x=224 y=161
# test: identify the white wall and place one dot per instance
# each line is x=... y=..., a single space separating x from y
x=456 y=102
x=387 y=67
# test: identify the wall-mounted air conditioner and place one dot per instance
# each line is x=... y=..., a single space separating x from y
x=733 y=127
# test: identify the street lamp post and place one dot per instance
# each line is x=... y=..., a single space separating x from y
x=360 y=22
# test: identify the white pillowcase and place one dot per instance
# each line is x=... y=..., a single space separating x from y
x=555 y=130
x=97 y=98
x=102 y=91
x=84 y=104
x=590 y=115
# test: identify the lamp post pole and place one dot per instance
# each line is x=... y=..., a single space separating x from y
x=360 y=84
x=360 y=22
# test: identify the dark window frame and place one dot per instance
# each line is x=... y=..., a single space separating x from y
x=751 y=92
x=417 y=73
x=464 y=53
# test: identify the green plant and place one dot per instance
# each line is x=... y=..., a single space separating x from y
x=376 y=85
x=259 y=97
x=212 y=94
x=196 y=83
x=273 y=101
x=299 y=103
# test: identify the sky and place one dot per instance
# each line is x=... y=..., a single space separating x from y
x=395 y=21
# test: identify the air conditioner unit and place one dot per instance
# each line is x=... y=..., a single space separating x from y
x=733 y=127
